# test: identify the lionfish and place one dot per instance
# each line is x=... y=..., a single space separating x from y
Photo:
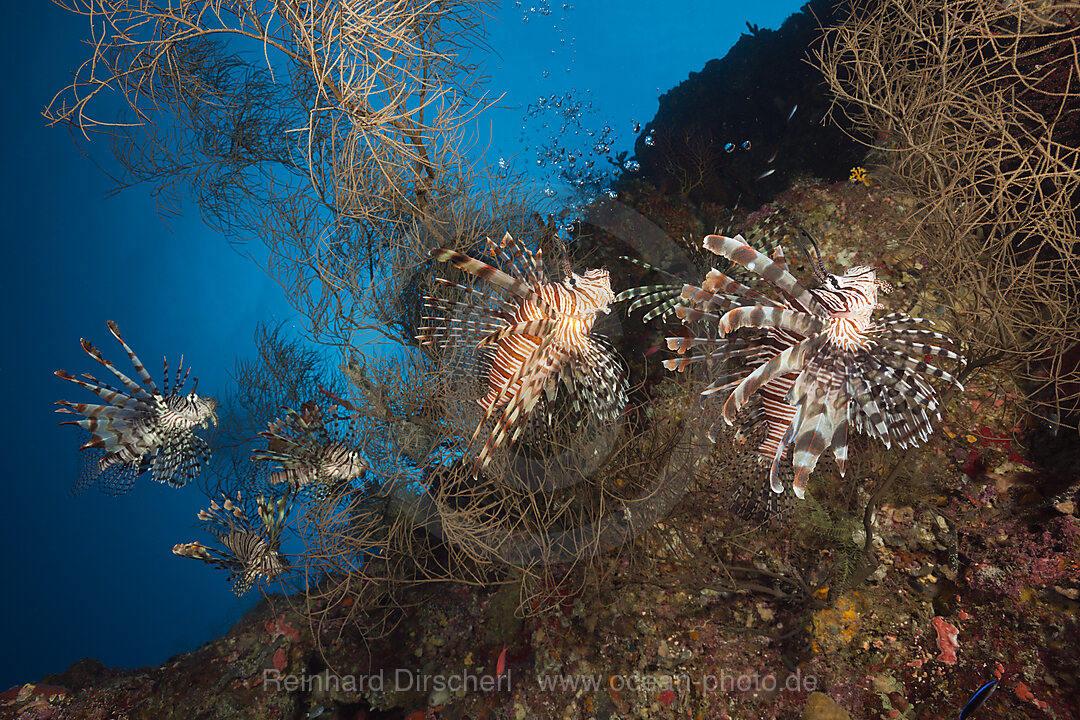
x=248 y=551
x=531 y=334
x=306 y=453
x=141 y=428
x=823 y=365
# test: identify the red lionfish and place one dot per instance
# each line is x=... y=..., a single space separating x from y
x=306 y=453
x=823 y=365
x=140 y=428
x=249 y=551
x=531 y=333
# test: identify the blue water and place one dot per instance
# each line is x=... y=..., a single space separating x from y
x=93 y=576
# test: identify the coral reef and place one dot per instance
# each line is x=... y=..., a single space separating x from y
x=967 y=571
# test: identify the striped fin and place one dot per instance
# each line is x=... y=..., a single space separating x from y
x=750 y=353
x=663 y=299
x=917 y=347
x=738 y=251
x=140 y=369
x=110 y=395
x=601 y=380
x=839 y=443
x=477 y=298
x=644 y=291
x=921 y=366
x=869 y=418
x=779 y=258
x=791 y=359
x=179 y=459
x=718 y=283
x=757 y=316
x=688 y=314
x=527 y=266
x=180 y=381
x=760 y=503
x=899 y=320
x=493 y=275
x=926 y=336
x=133 y=387
x=681 y=344
x=814 y=432
x=649 y=266
x=546 y=363
x=534 y=328
x=699 y=296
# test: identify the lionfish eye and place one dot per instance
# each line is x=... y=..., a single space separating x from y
x=572 y=281
x=833 y=281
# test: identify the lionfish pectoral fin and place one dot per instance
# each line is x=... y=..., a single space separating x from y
x=810 y=443
x=774 y=469
x=492 y=275
x=798 y=482
x=740 y=252
x=839 y=444
x=792 y=359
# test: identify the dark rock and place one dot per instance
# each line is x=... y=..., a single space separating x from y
x=748 y=95
x=81 y=674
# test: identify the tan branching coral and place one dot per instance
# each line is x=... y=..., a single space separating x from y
x=973 y=105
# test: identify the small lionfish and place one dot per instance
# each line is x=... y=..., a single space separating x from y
x=305 y=452
x=531 y=334
x=249 y=552
x=823 y=364
x=142 y=429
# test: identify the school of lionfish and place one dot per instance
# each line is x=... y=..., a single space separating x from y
x=801 y=368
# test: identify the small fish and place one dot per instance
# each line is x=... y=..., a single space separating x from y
x=792 y=113
x=500 y=664
x=772 y=158
x=978 y=699
x=766 y=174
x=315 y=712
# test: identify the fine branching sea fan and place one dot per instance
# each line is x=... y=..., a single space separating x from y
x=822 y=365
x=529 y=335
x=139 y=427
x=248 y=550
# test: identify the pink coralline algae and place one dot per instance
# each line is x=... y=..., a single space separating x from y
x=277 y=627
x=946 y=640
x=281 y=660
